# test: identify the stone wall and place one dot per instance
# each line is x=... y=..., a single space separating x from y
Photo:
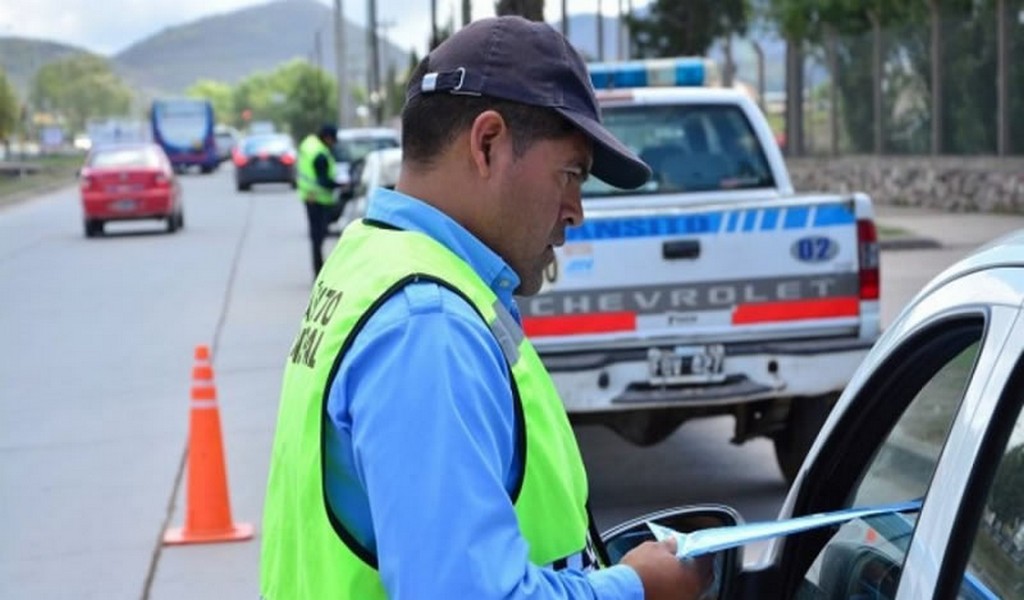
x=952 y=183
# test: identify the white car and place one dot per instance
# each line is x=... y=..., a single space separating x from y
x=932 y=417
x=354 y=144
x=379 y=169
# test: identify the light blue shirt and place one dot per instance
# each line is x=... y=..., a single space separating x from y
x=423 y=431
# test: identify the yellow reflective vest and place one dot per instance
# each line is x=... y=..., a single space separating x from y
x=309 y=189
x=307 y=553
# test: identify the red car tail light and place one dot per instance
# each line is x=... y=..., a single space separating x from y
x=238 y=158
x=288 y=158
x=86 y=181
x=161 y=180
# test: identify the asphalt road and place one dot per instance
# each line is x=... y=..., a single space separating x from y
x=96 y=343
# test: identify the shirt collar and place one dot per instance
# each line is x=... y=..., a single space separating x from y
x=411 y=214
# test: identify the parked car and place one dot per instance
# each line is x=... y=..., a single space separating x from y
x=933 y=414
x=354 y=144
x=121 y=182
x=268 y=158
x=379 y=168
x=225 y=139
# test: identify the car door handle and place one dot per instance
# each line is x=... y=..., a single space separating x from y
x=680 y=249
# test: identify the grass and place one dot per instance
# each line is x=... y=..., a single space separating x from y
x=54 y=171
x=888 y=231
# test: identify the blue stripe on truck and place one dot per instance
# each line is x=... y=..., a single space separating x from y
x=713 y=223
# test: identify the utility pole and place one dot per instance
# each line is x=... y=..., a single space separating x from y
x=1002 y=80
x=318 y=52
x=565 y=19
x=433 y=25
x=600 y=33
x=467 y=11
x=339 y=64
x=373 y=68
x=620 y=34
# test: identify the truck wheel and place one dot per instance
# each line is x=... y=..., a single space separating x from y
x=806 y=416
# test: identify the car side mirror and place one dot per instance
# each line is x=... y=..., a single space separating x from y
x=622 y=538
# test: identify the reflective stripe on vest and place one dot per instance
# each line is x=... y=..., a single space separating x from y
x=315 y=556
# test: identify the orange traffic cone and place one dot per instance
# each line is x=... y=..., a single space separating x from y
x=207 y=510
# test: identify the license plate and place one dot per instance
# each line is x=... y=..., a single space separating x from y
x=123 y=205
x=686 y=364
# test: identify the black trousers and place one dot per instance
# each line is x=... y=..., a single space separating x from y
x=319 y=216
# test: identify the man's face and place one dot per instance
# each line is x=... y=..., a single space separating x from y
x=540 y=198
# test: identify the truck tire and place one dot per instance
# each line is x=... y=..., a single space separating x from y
x=806 y=416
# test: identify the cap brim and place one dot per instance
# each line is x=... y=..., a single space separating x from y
x=614 y=163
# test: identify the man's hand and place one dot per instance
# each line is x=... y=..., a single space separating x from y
x=666 y=578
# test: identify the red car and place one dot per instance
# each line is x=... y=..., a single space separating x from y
x=125 y=182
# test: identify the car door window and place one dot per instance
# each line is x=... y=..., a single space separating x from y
x=996 y=565
x=864 y=557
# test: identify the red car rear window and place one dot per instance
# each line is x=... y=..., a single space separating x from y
x=124 y=157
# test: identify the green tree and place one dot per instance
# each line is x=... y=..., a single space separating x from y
x=219 y=94
x=674 y=28
x=310 y=97
x=529 y=9
x=78 y=88
x=10 y=109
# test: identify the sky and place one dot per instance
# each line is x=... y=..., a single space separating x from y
x=109 y=26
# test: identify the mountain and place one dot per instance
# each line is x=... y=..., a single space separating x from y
x=231 y=46
x=227 y=47
x=20 y=58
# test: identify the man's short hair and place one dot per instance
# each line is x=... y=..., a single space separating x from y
x=505 y=62
x=328 y=130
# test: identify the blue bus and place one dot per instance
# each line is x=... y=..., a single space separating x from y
x=184 y=129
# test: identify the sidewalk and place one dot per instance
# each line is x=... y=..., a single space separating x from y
x=930 y=229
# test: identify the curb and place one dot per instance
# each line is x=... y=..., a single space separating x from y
x=909 y=243
x=25 y=195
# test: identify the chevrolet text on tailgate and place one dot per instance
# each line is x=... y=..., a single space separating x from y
x=713 y=289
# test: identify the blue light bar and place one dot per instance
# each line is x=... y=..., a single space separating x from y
x=649 y=73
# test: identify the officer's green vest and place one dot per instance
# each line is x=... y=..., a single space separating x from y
x=309 y=189
x=305 y=554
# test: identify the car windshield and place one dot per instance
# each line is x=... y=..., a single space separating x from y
x=124 y=157
x=351 y=150
x=693 y=148
x=271 y=144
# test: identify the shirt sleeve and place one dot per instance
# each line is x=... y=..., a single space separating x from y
x=321 y=168
x=432 y=429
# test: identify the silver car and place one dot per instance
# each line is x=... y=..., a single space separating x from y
x=931 y=420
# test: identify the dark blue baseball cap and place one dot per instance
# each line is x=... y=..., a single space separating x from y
x=532 y=63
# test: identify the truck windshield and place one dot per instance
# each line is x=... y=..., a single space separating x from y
x=692 y=148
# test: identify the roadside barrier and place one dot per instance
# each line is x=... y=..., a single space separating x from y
x=208 y=509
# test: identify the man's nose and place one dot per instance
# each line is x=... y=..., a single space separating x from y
x=573 y=213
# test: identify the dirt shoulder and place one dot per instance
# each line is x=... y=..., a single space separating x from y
x=21 y=180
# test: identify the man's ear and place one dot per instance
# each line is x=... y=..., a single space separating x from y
x=488 y=132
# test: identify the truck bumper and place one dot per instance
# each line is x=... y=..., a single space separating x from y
x=619 y=379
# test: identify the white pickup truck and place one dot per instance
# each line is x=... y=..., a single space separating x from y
x=712 y=290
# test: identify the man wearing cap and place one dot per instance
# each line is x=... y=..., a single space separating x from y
x=422 y=450
x=316 y=184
